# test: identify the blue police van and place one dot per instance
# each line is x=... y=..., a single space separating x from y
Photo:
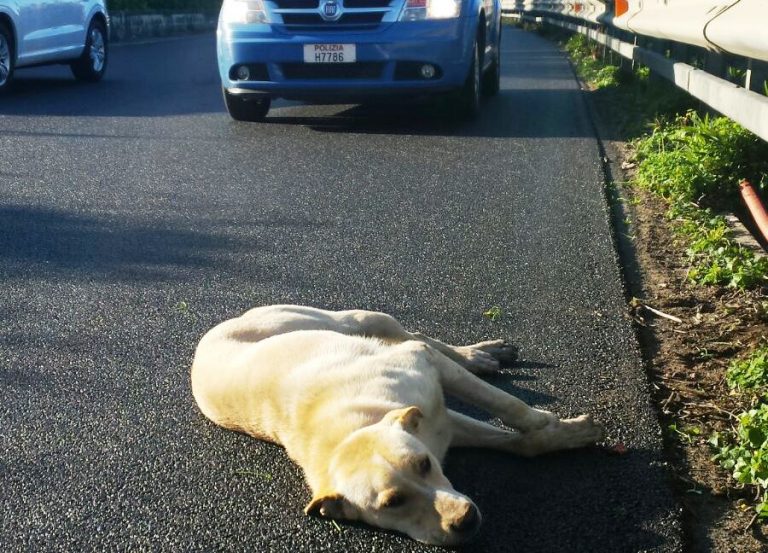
x=337 y=51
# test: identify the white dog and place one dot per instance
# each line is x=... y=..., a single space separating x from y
x=357 y=402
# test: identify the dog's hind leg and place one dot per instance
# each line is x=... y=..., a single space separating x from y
x=567 y=434
x=464 y=385
x=483 y=357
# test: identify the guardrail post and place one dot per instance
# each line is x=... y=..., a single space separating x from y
x=757 y=77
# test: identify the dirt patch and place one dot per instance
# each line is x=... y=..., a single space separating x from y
x=687 y=360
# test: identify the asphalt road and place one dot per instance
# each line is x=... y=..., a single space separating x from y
x=134 y=215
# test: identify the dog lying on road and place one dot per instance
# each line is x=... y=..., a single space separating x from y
x=357 y=402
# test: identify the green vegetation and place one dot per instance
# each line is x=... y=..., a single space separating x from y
x=694 y=158
x=750 y=373
x=716 y=259
x=590 y=65
x=687 y=433
x=694 y=162
x=164 y=5
x=494 y=313
x=746 y=454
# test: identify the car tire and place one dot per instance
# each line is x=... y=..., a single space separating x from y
x=92 y=63
x=7 y=56
x=492 y=76
x=250 y=108
x=469 y=95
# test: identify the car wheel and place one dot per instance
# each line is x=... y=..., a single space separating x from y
x=243 y=107
x=492 y=77
x=469 y=95
x=92 y=64
x=6 y=57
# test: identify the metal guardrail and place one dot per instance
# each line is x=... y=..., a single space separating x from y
x=697 y=44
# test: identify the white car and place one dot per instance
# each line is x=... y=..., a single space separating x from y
x=37 y=32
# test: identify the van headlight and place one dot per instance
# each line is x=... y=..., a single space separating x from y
x=243 y=12
x=419 y=10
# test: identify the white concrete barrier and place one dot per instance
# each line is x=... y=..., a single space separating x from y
x=127 y=26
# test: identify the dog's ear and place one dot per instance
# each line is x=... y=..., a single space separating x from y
x=408 y=418
x=328 y=506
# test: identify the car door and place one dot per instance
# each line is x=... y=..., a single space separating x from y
x=50 y=29
x=69 y=30
x=31 y=30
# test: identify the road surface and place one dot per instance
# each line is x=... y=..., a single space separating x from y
x=135 y=215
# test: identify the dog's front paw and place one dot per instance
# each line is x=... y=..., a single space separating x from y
x=478 y=361
x=501 y=350
x=488 y=357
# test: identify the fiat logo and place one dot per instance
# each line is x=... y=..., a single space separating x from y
x=330 y=9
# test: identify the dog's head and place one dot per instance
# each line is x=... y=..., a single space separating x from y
x=385 y=476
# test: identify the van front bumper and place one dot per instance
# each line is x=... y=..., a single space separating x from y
x=387 y=62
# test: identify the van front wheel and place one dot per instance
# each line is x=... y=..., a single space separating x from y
x=469 y=95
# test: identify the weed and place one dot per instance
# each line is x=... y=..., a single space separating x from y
x=736 y=74
x=696 y=157
x=746 y=454
x=182 y=308
x=262 y=475
x=687 y=433
x=590 y=67
x=715 y=259
x=749 y=373
x=494 y=313
x=694 y=162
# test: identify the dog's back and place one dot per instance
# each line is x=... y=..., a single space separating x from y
x=264 y=375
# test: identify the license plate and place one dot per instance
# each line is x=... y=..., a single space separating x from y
x=329 y=53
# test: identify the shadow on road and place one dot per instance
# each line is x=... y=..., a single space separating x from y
x=525 y=502
x=514 y=113
x=107 y=247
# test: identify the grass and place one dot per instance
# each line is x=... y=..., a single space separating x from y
x=590 y=65
x=701 y=159
x=744 y=451
x=695 y=163
x=745 y=454
x=493 y=314
x=750 y=372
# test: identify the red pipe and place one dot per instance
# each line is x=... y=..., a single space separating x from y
x=755 y=207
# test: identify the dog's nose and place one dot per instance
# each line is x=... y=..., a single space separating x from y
x=468 y=521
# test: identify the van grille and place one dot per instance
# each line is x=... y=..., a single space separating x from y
x=353 y=15
x=346 y=21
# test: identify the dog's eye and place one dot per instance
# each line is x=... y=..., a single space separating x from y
x=424 y=466
x=393 y=500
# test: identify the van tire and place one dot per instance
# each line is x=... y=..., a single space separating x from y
x=7 y=57
x=244 y=108
x=492 y=77
x=92 y=63
x=469 y=94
